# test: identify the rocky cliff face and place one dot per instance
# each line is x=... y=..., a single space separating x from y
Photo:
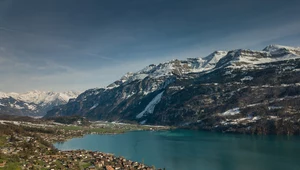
x=33 y=103
x=236 y=91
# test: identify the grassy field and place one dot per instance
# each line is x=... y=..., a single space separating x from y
x=95 y=129
x=107 y=128
x=11 y=166
x=3 y=140
x=12 y=162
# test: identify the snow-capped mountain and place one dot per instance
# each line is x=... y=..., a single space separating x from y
x=241 y=58
x=280 y=49
x=42 y=97
x=174 y=67
x=33 y=103
x=253 y=59
x=239 y=91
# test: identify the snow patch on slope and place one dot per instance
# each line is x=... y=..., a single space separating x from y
x=211 y=61
x=16 y=106
x=151 y=106
x=143 y=122
x=93 y=107
x=231 y=112
x=30 y=107
x=247 y=78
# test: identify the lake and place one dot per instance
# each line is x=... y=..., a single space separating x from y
x=188 y=150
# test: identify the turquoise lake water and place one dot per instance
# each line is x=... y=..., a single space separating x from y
x=188 y=150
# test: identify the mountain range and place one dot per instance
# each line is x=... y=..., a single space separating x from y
x=241 y=90
x=33 y=103
x=230 y=91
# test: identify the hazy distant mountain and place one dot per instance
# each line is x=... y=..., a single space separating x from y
x=33 y=103
x=239 y=90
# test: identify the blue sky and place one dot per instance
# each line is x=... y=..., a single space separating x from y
x=80 y=44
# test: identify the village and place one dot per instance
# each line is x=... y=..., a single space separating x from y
x=28 y=145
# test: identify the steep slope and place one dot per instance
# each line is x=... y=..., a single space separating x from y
x=237 y=91
x=137 y=87
x=33 y=103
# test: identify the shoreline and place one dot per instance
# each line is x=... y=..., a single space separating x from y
x=27 y=145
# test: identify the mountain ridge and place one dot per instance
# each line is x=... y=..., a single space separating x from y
x=202 y=63
x=33 y=103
